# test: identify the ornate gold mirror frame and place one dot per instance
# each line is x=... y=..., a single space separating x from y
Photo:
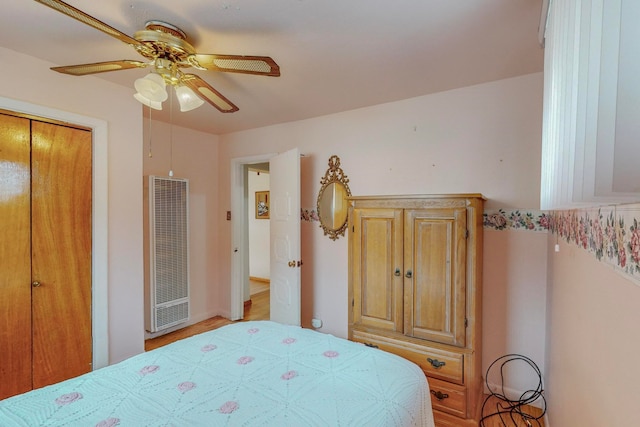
x=332 y=200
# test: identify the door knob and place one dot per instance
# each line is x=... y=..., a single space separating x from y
x=408 y=275
x=397 y=273
x=35 y=284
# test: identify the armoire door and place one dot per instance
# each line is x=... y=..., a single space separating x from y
x=45 y=253
x=377 y=268
x=435 y=274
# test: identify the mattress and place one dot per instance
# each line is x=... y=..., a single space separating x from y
x=245 y=374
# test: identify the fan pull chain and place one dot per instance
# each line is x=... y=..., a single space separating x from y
x=150 y=153
x=171 y=135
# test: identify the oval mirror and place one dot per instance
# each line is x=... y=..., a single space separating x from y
x=332 y=200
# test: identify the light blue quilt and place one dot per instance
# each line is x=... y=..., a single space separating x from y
x=244 y=374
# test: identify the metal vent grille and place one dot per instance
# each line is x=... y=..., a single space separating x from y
x=167 y=316
x=169 y=246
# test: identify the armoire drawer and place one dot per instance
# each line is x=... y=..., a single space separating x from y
x=437 y=363
x=448 y=397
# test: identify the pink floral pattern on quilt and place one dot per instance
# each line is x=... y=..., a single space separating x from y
x=228 y=407
x=289 y=375
x=288 y=340
x=245 y=360
x=109 y=422
x=330 y=354
x=186 y=386
x=253 y=331
x=68 y=398
x=149 y=369
x=208 y=347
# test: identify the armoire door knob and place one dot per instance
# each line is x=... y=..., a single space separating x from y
x=35 y=284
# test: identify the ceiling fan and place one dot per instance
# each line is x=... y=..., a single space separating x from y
x=168 y=52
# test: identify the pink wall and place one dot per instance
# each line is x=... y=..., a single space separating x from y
x=592 y=340
x=514 y=303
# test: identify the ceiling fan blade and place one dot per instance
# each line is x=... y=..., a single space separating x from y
x=74 y=13
x=99 y=67
x=261 y=65
x=209 y=94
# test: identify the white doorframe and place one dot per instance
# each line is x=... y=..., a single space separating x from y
x=100 y=220
x=239 y=231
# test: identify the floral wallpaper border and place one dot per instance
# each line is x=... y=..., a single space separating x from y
x=498 y=220
x=610 y=233
x=517 y=220
x=309 y=215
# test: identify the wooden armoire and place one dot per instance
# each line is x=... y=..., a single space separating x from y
x=45 y=252
x=415 y=273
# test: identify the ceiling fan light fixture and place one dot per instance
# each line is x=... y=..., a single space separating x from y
x=152 y=87
x=187 y=98
x=156 y=105
x=167 y=50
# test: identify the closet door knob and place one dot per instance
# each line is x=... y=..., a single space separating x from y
x=408 y=275
x=397 y=273
x=35 y=284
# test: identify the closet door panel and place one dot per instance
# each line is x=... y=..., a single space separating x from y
x=15 y=257
x=61 y=251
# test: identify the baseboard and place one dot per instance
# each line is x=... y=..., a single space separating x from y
x=511 y=393
x=192 y=321
x=259 y=279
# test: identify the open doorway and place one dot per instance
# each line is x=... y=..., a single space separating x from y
x=256 y=297
x=240 y=231
x=284 y=234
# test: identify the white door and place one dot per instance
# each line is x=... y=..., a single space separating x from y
x=284 y=187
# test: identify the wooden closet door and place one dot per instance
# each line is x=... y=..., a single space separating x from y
x=61 y=251
x=434 y=290
x=15 y=257
x=377 y=268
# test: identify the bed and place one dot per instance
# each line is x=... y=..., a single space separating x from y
x=256 y=373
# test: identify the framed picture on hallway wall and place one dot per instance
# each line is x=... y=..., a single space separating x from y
x=262 y=205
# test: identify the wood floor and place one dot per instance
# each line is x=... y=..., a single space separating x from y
x=508 y=421
x=259 y=310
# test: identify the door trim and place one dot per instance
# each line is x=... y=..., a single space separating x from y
x=99 y=233
x=239 y=231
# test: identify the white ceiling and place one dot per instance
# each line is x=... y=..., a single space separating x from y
x=334 y=55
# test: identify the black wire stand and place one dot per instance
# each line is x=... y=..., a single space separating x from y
x=511 y=410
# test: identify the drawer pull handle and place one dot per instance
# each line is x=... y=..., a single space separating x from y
x=368 y=344
x=439 y=395
x=436 y=363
